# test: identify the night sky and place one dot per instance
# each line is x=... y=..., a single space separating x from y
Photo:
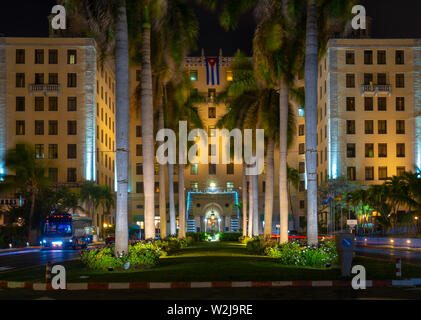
x=391 y=19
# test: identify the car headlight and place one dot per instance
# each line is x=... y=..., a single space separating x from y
x=44 y=241
x=70 y=240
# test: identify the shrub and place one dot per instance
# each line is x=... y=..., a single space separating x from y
x=230 y=236
x=197 y=236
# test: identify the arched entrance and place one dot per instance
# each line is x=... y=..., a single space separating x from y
x=212 y=214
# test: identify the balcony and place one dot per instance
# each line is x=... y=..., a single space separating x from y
x=376 y=89
x=45 y=89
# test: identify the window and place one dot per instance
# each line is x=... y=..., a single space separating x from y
x=368 y=104
x=301 y=113
x=194 y=168
x=139 y=169
x=350 y=104
x=368 y=57
x=400 y=80
x=400 y=57
x=71 y=104
x=382 y=124
x=139 y=150
x=400 y=171
x=382 y=150
x=20 y=56
x=20 y=80
x=52 y=151
x=52 y=103
x=301 y=130
x=400 y=103
x=211 y=94
x=39 y=127
x=230 y=169
x=369 y=150
x=71 y=56
x=194 y=75
x=381 y=79
x=53 y=78
x=368 y=79
x=350 y=80
x=71 y=127
x=369 y=173
x=212 y=168
x=138 y=131
x=156 y=169
x=71 y=80
x=195 y=186
x=53 y=56
x=382 y=104
x=39 y=151
x=39 y=78
x=71 y=175
x=52 y=127
x=211 y=131
x=302 y=205
x=301 y=167
x=350 y=127
x=400 y=126
x=369 y=126
x=302 y=186
x=382 y=173
x=20 y=127
x=212 y=113
x=230 y=76
x=301 y=148
x=350 y=57
x=381 y=57
x=212 y=150
x=53 y=174
x=350 y=150
x=400 y=150
x=20 y=104
x=352 y=173
x=139 y=187
x=39 y=56
x=71 y=151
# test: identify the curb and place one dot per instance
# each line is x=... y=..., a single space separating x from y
x=201 y=285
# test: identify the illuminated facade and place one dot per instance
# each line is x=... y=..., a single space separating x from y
x=58 y=97
x=369 y=116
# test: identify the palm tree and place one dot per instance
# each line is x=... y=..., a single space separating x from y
x=107 y=21
x=294 y=179
x=28 y=179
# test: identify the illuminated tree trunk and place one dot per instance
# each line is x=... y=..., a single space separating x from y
x=162 y=191
x=244 y=197
x=173 y=223
x=181 y=202
x=269 y=188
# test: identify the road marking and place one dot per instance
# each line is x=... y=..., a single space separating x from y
x=6 y=268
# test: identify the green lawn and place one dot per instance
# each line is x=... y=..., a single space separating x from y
x=216 y=261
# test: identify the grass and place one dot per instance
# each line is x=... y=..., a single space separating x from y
x=216 y=261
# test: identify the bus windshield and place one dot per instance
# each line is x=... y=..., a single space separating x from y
x=57 y=227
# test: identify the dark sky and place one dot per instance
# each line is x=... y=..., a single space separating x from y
x=391 y=19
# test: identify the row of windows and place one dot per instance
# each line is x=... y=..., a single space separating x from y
x=52 y=127
x=194 y=169
x=369 y=173
x=106 y=139
x=381 y=104
x=194 y=75
x=381 y=57
x=369 y=150
x=107 y=119
x=369 y=127
x=53 y=151
x=39 y=104
x=52 y=78
x=381 y=80
x=107 y=99
x=40 y=53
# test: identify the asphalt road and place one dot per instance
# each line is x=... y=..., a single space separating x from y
x=26 y=258
x=412 y=256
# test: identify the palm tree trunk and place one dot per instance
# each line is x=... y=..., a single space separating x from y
x=181 y=202
x=250 y=221
x=122 y=134
x=173 y=223
x=244 y=196
x=269 y=188
x=162 y=191
x=283 y=151
x=147 y=129
x=31 y=215
x=311 y=66
x=291 y=207
x=255 y=207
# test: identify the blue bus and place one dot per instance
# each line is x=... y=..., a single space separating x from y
x=64 y=231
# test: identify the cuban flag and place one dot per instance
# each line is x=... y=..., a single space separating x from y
x=212 y=71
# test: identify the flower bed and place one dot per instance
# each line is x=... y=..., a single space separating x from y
x=294 y=253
